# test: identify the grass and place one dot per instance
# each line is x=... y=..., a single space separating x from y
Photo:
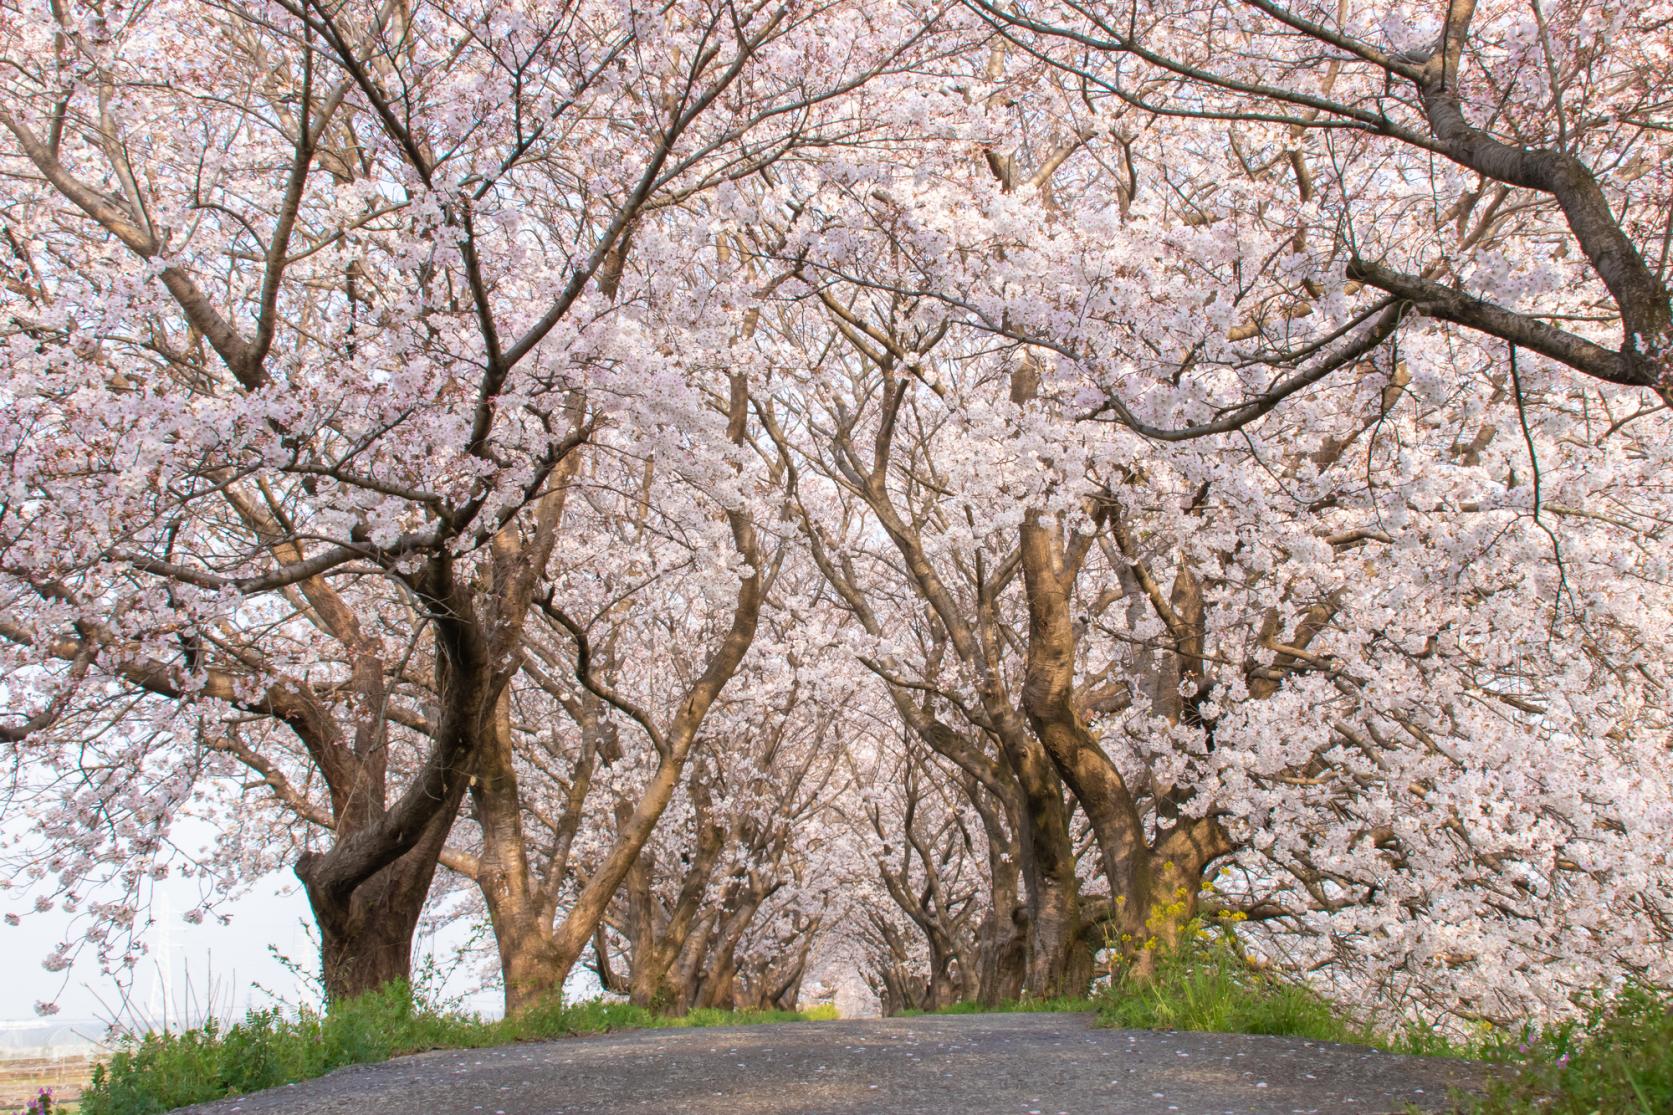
x=1212 y=987
x=159 y=1072
x=1209 y=986
x=1616 y=1060
x=1009 y=1006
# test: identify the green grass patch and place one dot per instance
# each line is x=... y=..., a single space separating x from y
x=1211 y=986
x=162 y=1071
x=1616 y=1060
x=1009 y=1006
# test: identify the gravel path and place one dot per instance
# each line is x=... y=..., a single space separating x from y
x=994 y=1064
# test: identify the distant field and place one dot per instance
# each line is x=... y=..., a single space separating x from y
x=22 y=1077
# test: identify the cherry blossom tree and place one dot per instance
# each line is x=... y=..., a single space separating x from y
x=971 y=490
x=725 y=910
x=964 y=325
x=927 y=953
x=323 y=345
x=1495 y=166
x=522 y=898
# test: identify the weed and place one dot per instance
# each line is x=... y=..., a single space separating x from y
x=1207 y=983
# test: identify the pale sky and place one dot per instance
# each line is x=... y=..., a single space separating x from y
x=185 y=961
x=188 y=967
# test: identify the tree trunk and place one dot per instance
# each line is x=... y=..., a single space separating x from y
x=1003 y=949
x=1054 y=941
x=529 y=963
x=718 y=987
x=1153 y=884
x=611 y=980
x=1048 y=867
x=1001 y=961
x=658 y=942
x=366 y=937
x=369 y=944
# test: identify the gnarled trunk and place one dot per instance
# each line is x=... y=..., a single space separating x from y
x=530 y=964
x=1002 y=939
x=1048 y=871
x=366 y=932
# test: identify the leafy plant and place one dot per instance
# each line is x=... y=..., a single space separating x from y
x=42 y=1104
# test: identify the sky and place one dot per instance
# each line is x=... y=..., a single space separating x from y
x=189 y=971
x=184 y=962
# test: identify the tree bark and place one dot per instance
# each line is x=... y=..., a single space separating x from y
x=366 y=936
